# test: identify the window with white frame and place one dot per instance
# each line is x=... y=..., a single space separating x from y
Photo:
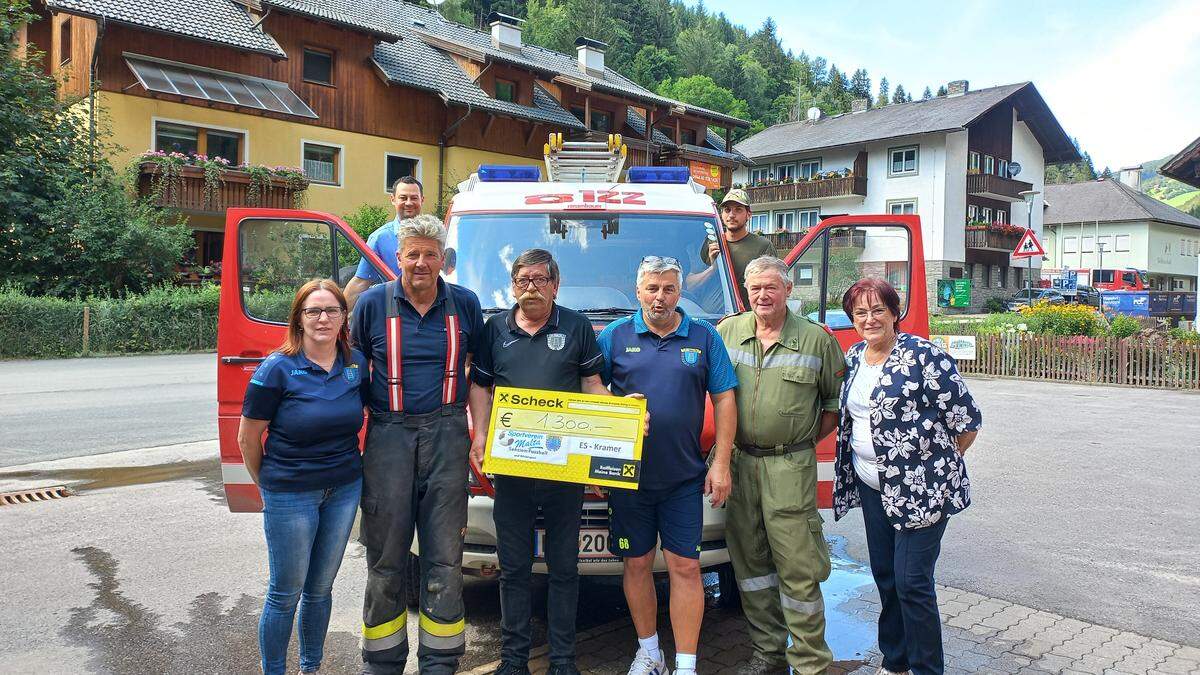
x=760 y=222
x=972 y=213
x=1105 y=243
x=987 y=214
x=785 y=171
x=902 y=207
x=902 y=161
x=1183 y=243
x=809 y=167
x=986 y=278
x=397 y=167
x=1070 y=245
x=785 y=220
x=973 y=161
x=1001 y=216
x=1088 y=244
x=809 y=218
x=804 y=275
x=322 y=163
x=759 y=174
x=1002 y=168
x=1122 y=242
x=989 y=164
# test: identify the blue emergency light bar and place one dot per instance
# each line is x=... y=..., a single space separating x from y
x=503 y=173
x=659 y=174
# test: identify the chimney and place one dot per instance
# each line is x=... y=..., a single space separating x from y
x=957 y=88
x=1132 y=176
x=860 y=105
x=591 y=54
x=506 y=31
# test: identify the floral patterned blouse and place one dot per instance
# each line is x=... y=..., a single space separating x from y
x=918 y=408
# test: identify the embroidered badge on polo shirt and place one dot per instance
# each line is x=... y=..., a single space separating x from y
x=556 y=341
x=690 y=355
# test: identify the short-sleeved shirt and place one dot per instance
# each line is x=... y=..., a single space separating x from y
x=422 y=344
x=554 y=358
x=783 y=392
x=315 y=416
x=674 y=373
x=383 y=242
x=741 y=252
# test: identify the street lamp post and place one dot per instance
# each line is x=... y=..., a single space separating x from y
x=1029 y=196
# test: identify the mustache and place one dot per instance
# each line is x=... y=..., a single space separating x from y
x=531 y=294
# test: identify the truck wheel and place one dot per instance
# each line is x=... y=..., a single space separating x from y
x=727 y=587
x=412 y=581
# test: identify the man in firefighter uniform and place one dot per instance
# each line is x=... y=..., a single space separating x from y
x=419 y=333
x=789 y=371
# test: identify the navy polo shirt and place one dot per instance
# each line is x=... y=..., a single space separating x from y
x=555 y=358
x=315 y=416
x=422 y=344
x=674 y=372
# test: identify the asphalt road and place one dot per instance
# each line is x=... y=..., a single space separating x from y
x=73 y=407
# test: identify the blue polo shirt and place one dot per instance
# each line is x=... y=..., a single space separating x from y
x=312 y=440
x=674 y=372
x=383 y=242
x=422 y=343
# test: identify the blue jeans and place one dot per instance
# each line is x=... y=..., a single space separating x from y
x=902 y=562
x=306 y=538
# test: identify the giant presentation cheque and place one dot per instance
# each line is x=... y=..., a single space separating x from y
x=576 y=438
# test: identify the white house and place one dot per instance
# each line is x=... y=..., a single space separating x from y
x=960 y=162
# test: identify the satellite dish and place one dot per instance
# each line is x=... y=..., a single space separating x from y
x=814 y=114
x=1013 y=169
x=435 y=3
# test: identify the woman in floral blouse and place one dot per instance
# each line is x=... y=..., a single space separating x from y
x=906 y=420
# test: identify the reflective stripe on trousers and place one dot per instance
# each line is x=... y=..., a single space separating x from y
x=386 y=635
x=442 y=636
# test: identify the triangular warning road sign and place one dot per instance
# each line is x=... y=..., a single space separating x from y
x=1028 y=247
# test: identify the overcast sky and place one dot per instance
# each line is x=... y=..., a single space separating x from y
x=1122 y=77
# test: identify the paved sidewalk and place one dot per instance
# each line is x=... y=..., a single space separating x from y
x=981 y=635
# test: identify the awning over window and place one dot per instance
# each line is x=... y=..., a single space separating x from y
x=170 y=77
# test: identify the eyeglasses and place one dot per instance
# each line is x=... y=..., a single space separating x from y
x=316 y=312
x=526 y=282
x=874 y=313
x=652 y=259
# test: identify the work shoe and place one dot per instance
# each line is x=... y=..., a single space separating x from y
x=644 y=664
x=562 y=669
x=757 y=665
x=507 y=668
x=885 y=671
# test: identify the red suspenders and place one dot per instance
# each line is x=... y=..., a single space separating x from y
x=395 y=360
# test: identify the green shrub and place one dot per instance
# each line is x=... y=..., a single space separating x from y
x=1187 y=336
x=164 y=319
x=1064 y=319
x=367 y=218
x=1121 y=326
x=995 y=306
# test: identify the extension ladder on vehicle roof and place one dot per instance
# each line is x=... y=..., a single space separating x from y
x=584 y=161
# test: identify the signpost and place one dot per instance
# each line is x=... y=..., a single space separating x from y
x=1028 y=248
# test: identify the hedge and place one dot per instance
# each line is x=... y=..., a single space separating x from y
x=165 y=319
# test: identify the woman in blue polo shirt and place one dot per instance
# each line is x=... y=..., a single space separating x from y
x=308 y=396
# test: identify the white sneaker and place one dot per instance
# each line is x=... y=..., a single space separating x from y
x=885 y=671
x=644 y=664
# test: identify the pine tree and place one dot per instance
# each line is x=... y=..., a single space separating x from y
x=942 y=91
x=900 y=96
x=927 y=95
x=860 y=85
x=883 y=93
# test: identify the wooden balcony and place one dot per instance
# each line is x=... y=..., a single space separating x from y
x=826 y=188
x=996 y=187
x=784 y=242
x=187 y=193
x=996 y=241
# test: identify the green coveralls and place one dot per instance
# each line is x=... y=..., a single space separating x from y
x=772 y=527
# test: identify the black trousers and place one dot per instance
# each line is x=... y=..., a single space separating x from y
x=515 y=512
x=902 y=562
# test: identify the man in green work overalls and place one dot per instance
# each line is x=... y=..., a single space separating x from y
x=790 y=370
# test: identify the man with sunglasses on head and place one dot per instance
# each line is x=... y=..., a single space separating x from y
x=675 y=361
x=535 y=345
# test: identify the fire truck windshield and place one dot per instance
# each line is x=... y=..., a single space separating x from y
x=597 y=254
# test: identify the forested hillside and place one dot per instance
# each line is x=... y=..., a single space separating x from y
x=693 y=55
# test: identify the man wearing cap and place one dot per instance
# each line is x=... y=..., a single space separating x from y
x=743 y=244
x=419 y=333
x=676 y=362
x=789 y=372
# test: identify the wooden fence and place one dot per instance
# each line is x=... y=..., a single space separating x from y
x=1166 y=364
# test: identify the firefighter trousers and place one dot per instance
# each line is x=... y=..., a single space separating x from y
x=414 y=473
x=780 y=557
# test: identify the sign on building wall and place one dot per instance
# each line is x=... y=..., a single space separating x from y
x=708 y=175
x=954 y=292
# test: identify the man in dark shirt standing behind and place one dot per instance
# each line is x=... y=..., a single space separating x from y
x=535 y=345
x=743 y=244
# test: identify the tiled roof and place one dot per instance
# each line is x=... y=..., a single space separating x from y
x=1108 y=200
x=638 y=123
x=403 y=15
x=220 y=22
x=362 y=15
x=940 y=114
x=411 y=62
x=1185 y=166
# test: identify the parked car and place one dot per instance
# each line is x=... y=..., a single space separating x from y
x=1021 y=297
x=1087 y=295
